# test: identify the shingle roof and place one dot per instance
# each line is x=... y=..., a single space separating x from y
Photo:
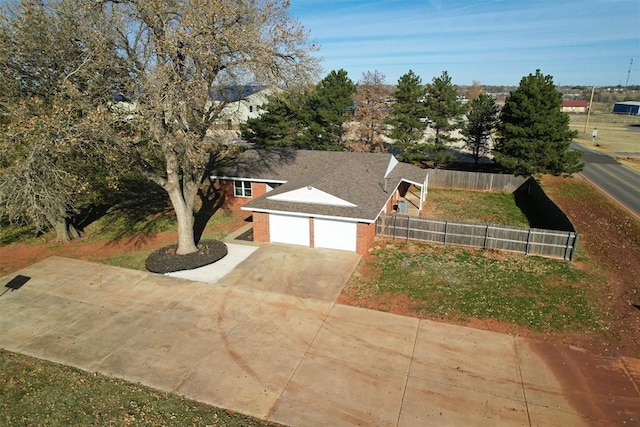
x=358 y=178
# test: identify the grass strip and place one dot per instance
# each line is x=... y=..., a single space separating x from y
x=38 y=392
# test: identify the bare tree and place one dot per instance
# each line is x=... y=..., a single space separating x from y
x=185 y=61
x=474 y=90
x=371 y=111
x=48 y=94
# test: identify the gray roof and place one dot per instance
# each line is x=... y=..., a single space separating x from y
x=358 y=178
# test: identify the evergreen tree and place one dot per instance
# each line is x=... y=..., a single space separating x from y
x=406 y=115
x=326 y=111
x=305 y=120
x=445 y=111
x=279 y=124
x=482 y=119
x=534 y=133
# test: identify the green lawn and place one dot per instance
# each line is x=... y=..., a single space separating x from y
x=475 y=207
x=457 y=283
x=37 y=392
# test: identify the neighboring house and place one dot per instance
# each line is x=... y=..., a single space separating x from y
x=319 y=199
x=575 y=106
x=242 y=104
x=631 y=108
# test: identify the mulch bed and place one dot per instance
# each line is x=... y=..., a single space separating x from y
x=165 y=259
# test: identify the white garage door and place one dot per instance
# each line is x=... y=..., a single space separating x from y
x=289 y=229
x=332 y=234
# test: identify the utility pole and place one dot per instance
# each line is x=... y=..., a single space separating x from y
x=586 y=124
x=627 y=82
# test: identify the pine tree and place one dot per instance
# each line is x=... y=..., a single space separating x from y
x=278 y=125
x=326 y=111
x=406 y=115
x=445 y=111
x=311 y=120
x=534 y=134
x=482 y=119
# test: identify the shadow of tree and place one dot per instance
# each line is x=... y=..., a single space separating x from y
x=210 y=201
x=140 y=211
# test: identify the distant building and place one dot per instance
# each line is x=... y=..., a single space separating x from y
x=575 y=106
x=631 y=108
x=242 y=103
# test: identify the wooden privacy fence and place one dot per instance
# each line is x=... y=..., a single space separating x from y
x=546 y=243
x=478 y=181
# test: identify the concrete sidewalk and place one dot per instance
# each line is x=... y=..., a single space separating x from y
x=292 y=360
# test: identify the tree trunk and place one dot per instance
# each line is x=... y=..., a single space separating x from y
x=184 y=215
x=62 y=233
x=65 y=230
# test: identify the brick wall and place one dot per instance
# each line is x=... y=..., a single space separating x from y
x=230 y=201
x=258 y=189
x=366 y=236
x=260 y=227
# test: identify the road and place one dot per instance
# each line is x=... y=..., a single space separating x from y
x=618 y=181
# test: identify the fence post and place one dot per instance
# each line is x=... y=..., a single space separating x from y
x=575 y=246
x=408 y=226
x=446 y=225
x=486 y=237
x=526 y=249
x=567 y=254
x=394 y=227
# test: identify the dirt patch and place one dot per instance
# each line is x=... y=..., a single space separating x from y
x=611 y=237
x=599 y=387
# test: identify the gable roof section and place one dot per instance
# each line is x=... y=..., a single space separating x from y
x=347 y=185
x=310 y=194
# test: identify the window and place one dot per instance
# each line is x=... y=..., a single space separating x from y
x=242 y=188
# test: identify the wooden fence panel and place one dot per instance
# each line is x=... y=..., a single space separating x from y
x=479 y=181
x=546 y=243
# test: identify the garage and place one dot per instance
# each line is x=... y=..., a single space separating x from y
x=290 y=229
x=334 y=234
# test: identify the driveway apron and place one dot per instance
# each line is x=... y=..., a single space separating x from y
x=275 y=355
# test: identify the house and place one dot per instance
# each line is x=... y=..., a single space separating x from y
x=631 y=108
x=575 y=106
x=320 y=199
x=242 y=104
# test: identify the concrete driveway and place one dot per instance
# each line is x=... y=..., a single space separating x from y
x=294 y=270
x=279 y=357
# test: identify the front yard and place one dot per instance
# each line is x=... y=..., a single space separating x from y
x=592 y=302
x=457 y=284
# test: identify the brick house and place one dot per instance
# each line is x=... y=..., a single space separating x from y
x=319 y=199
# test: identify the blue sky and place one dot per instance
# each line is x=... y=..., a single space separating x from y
x=581 y=42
